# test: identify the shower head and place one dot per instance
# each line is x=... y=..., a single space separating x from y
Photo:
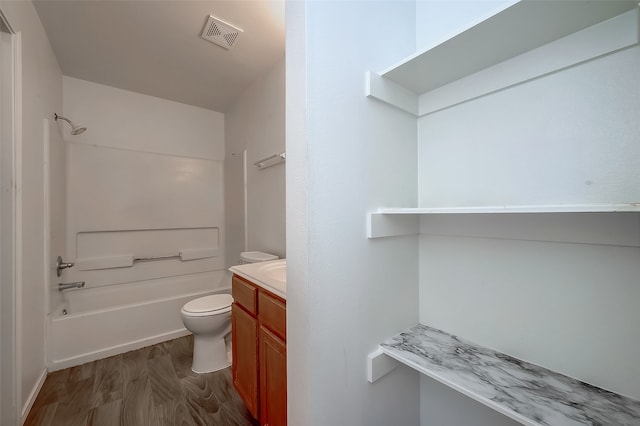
x=75 y=129
x=78 y=130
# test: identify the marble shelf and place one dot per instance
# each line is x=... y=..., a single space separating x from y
x=527 y=393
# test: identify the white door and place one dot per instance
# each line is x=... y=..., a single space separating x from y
x=9 y=225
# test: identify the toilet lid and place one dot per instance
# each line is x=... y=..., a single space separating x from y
x=256 y=256
x=209 y=303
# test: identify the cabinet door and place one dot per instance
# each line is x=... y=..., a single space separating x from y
x=273 y=314
x=245 y=294
x=244 y=368
x=273 y=379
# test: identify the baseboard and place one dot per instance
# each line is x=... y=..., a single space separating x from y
x=33 y=395
x=61 y=364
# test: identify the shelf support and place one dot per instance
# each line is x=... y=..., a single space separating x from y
x=391 y=93
x=379 y=364
x=388 y=225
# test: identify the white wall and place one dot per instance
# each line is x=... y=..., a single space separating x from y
x=41 y=97
x=590 y=135
x=345 y=293
x=565 y=138
x=122 y=119
x=437 y=20
x=8 y=344
x=297 y=214
x=558 y=290
x=255 y=123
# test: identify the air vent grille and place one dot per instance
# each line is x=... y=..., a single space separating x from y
x=213 y=30
x=221 y=33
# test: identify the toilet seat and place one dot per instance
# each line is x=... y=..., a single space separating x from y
x=208 y=305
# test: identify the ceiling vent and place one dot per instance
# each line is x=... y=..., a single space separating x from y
x=221 y=33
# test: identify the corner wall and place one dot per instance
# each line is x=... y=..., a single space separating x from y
x=255 y=123
x=436 y=20
x=565 y=299
x=41 y=97
x=345 y=293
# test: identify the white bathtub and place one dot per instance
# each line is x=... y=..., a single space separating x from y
x=97 y=323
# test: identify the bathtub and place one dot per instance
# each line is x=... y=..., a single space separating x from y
x=96 y=323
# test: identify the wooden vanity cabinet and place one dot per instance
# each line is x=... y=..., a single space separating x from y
x=273 y=379
x=244 y=364
x=259 y=369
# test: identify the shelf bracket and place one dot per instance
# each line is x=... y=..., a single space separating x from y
x=391 y=93
x=389 y=225
x=379 y=364
x=272 y=160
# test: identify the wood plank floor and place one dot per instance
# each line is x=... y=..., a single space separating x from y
x=148 y=387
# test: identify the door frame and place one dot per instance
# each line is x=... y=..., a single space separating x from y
x=11 y=226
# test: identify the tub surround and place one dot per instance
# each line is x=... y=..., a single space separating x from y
x=269 y=275
x=141 y=256
x=527 y=393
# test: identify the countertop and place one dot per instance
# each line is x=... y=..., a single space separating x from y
x=270 y=275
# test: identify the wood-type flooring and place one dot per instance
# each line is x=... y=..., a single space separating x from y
x=153 y=386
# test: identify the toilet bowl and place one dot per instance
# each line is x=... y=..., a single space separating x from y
x=209 y=319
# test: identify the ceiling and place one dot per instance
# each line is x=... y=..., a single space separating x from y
x=154 y=47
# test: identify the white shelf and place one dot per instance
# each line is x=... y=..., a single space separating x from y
x=514 y=31
x=557 y=208
x=387 y=222
x=527 y=393
x=529 y=24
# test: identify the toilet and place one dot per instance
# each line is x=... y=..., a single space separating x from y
x=209 y=319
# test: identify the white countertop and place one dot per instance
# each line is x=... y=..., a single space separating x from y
x=270 y=275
